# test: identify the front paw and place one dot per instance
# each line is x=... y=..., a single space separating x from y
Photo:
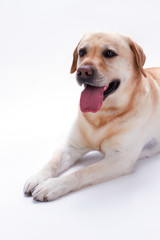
x=50 y=190
x=33 y=181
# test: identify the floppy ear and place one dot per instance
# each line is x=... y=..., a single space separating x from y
x=74 y=62
x=139 y=56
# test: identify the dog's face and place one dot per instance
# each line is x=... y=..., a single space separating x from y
x=104 y=63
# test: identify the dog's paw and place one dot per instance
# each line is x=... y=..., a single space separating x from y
x=32 y=182
x=50 y=190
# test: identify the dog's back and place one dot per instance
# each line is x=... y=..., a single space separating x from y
x=155 y=73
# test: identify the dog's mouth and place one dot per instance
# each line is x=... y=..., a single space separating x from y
x=112 y=87
x=92 y=97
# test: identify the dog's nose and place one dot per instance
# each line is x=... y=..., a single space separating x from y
x=85 y=71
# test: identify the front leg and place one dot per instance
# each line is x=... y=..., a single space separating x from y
x=108 y=168
x=62 y=159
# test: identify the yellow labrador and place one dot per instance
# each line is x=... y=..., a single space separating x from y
x=119 y=116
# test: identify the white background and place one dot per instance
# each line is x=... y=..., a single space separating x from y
x=38 y=102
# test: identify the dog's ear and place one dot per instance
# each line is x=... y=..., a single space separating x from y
x=74 y=62
x=140 y=57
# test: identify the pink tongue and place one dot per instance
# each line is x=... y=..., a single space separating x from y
x=91 y=99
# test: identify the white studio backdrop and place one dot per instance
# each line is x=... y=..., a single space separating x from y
x=38 y=103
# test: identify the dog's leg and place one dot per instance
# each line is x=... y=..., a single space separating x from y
x=104 y=170
x=62 y=159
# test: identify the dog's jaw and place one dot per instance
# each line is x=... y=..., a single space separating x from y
x=92 y=97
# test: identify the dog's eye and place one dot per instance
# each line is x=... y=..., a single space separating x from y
x=82 y=52
x=109 y=54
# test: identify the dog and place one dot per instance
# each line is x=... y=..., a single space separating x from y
x=119 y=115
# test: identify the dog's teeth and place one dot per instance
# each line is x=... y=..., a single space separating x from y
x=105 y=88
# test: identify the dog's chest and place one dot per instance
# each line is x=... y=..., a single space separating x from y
x=95 y=135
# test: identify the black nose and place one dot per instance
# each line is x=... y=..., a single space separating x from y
x=85 y=73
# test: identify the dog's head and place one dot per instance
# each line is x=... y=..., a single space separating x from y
x=104 y=63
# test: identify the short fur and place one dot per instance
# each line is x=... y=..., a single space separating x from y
x=125 y=129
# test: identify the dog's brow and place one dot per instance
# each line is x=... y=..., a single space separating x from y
x=83 y=45
x=109 y=46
